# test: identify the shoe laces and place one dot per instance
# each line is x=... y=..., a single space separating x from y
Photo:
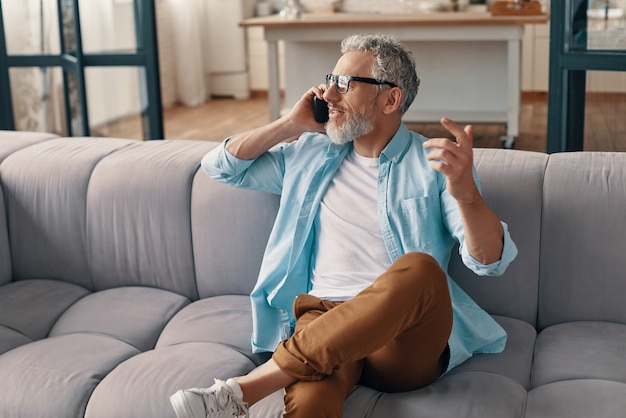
x=223 y=399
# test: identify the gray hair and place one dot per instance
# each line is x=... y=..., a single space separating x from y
x=394 y=62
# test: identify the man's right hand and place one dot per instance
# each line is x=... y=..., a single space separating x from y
x=302 y=113
x=252 y=144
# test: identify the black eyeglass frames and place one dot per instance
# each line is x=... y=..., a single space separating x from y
x=342 y=82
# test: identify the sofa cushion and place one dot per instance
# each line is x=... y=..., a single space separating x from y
x=582 y=242
x=9 y=339
x=221 y=216
x=579 y=371
x=31 y=307
x=45 y=188
x=516 y=359
x=141 y=386
x=514 y=294
x=577 y=399
x=468 y=395
x=56 y=376
x=5 y=251
x=11 y=141
x=135 y=315
x=224 y=320
x=138 y=217
x=580 y=350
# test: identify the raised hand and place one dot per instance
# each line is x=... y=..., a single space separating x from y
x=454 y=159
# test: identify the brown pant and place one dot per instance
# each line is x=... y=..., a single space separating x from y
x=390 y=337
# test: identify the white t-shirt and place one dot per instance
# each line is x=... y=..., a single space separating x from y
x=350 y=250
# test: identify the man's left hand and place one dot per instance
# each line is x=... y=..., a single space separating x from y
x=455 y=160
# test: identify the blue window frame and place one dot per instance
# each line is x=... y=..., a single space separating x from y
x=73 y=62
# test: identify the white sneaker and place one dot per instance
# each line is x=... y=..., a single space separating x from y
x=218 y=401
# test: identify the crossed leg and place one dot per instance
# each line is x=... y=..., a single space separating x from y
x=391 y=337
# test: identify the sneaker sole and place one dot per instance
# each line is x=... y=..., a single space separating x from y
x=181 y=406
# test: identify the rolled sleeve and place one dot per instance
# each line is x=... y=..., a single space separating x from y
x=509 y=252
x=221 y=165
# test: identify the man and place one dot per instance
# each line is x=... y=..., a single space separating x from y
x=368 y=217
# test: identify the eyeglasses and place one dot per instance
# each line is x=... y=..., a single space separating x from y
x=342 y=82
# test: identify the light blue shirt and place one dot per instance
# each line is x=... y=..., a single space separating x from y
x=415 y=210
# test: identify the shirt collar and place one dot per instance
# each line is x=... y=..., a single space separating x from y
x=334 y=150
x=396 y=148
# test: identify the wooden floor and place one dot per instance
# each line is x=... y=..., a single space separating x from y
x=605 y=124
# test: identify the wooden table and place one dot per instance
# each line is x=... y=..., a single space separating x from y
x=468 y=63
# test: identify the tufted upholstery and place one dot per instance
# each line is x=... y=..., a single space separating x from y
x=124 y=275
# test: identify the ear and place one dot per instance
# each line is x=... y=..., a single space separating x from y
x=393 y=100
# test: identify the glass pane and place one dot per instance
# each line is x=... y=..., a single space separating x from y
x=114 y=102
x=75 y=109
x=108 y=26
x=37 y=96
x=31 y=27
x=600 y=25
x=605 y=107
x=69 y=32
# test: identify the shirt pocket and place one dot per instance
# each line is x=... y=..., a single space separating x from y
x=421 y=222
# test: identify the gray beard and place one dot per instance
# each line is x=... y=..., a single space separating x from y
x=356 y=125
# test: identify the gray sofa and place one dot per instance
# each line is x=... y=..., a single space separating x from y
x=124 y=275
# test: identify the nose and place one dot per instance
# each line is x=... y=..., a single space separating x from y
x=330 y=94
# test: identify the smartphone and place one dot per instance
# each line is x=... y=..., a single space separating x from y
x=320 y=109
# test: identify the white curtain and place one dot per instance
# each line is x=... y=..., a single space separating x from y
x=188 y=34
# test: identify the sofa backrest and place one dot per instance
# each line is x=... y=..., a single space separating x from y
x=230 y=230
x=138 y=216
x=5 y=254
x=45 y=187
x=512 y=184
x=583 y=239
x=11 y=142
x=103 y=213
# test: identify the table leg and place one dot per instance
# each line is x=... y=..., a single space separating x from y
x=513 y=93
x=274 y=80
